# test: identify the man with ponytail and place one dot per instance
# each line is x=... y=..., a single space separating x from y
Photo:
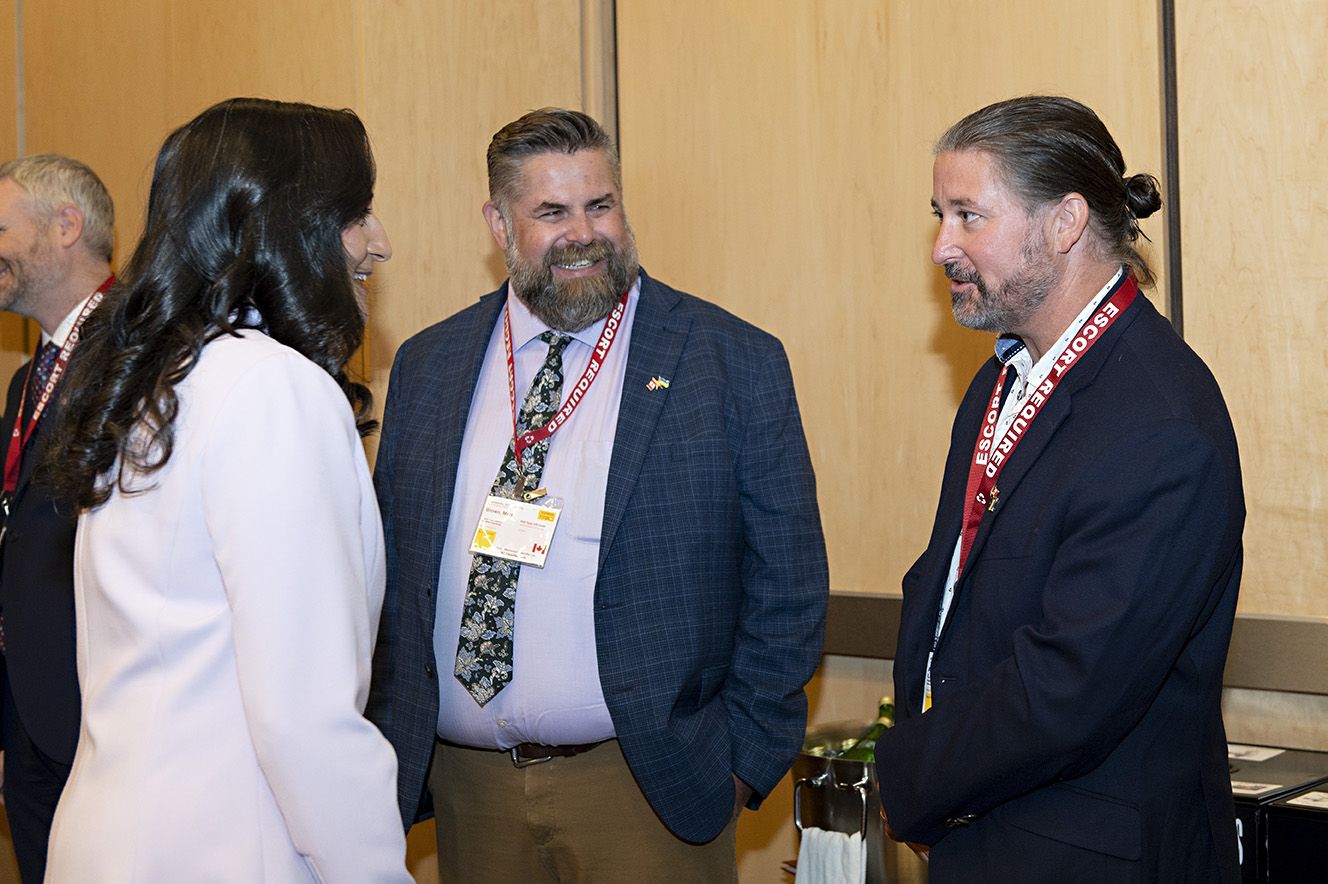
x=1059 y=668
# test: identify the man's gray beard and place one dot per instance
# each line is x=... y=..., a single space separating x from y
x=569 y=305
x=30 y=279
x=1005 y=309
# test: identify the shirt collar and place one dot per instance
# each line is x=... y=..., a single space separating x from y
x=1011 y=351
x=61 y=333
x=1008 y=347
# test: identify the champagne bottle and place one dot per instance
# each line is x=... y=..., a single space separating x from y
x=865 y=748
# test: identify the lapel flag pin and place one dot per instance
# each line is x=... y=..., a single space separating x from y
x=658 y=383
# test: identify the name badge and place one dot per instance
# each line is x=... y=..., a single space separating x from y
x=516 y=531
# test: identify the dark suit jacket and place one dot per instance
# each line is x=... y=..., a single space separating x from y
x=1076 y=732
x=37 y=597
x=712 y=585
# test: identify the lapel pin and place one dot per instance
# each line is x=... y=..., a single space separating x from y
x=658 y=383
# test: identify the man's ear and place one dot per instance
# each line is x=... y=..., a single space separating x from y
x=68 y=222
x=493 y=216
x=1069 y=221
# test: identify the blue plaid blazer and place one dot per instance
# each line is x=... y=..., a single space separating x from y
x=712 y=586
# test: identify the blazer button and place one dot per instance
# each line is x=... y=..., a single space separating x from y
x=959 y=822
x=428 y=669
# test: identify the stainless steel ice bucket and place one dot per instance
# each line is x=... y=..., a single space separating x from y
x=841 y=795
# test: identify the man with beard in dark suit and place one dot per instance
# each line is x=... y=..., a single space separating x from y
x=56 y=236
x=1059 y=669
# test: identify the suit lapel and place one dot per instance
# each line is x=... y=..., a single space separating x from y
x=658 y=336
x=28 y=463
x=31 y=454
x=1053 y=414
x=460 y=373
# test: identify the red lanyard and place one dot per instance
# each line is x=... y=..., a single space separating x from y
x=21 y=434
x=573 y=399
x=989 y=460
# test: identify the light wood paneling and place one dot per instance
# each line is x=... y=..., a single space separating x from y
x=439 y=79
x=430 y=80
x=145 y=67
x=16 y=338
x=1253 y=89
x=8 y=79
x=777 y=157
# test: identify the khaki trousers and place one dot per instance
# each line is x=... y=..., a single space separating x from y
x=578 y=820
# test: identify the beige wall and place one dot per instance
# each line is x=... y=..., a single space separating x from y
x=1253 y=102
x=144 y=67
x=429 y=81
x=8 y=81
x=777 y=160
x=438 y=80
x=16 y=342
x=1253 y=121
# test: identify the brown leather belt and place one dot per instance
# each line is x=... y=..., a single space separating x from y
x=526 y=754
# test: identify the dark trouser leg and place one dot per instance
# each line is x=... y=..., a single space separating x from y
x=33 y=782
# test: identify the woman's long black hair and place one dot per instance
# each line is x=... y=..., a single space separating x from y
x=243 y=230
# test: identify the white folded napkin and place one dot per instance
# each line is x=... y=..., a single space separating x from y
x=831 y=858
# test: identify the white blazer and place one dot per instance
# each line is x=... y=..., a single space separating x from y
x=226 y=617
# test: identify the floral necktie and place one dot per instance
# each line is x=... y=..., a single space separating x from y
x=484 y=649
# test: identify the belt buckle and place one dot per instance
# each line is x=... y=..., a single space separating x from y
x=519 y=762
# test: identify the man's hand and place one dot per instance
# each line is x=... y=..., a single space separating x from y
x=922 y=850
x=742 y=793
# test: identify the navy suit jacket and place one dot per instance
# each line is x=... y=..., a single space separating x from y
x=712 y=585
x=37 y=597
x=1076 y=731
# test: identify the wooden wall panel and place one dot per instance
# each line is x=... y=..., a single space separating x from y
x=16 y=338
x=8 y=79
x=145 y=68
x=438 y=80
x=1253 y=90
x=777 y=157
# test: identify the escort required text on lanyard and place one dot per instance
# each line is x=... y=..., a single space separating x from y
x=520 y=528
x=22 y=433
x=989 y=459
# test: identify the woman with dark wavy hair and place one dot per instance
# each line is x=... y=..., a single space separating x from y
x=229 y=562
